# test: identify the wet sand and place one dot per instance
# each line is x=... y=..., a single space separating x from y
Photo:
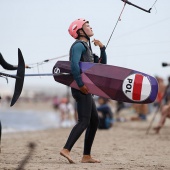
x=123 y=147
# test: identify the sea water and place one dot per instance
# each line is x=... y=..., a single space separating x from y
x=15 y=120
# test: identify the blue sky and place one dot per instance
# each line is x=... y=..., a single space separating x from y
x=39 y=28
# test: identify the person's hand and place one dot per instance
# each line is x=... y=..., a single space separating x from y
x=84 y=89
x=97 y=43
x=27 y=66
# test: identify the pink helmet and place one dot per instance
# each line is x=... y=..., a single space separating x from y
x=75 y=26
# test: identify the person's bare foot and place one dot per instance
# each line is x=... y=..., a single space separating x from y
x=157 y=129
x=89 y=159
x=66 y=153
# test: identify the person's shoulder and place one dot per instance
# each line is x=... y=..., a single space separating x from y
x=78 y=45
x=106 y=106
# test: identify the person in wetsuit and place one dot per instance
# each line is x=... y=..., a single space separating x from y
x=87 y=114
x=6 y=66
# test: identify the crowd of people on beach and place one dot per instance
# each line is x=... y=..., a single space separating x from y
x=109 y=111
x=69 y=117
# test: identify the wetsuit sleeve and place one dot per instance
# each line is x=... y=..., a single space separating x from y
x=103 y=55
x=96 y=58
x=76 y=52
x=6 y=65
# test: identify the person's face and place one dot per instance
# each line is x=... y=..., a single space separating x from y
x=88 y=30
x=100 y=101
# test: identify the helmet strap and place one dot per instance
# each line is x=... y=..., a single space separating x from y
x=87 y=37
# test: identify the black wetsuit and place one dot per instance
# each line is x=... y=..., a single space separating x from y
x=86 y=108
x=6 y=66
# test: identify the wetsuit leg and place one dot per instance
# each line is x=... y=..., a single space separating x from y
x=84 y=109
x=0 y=131
x=91 y=130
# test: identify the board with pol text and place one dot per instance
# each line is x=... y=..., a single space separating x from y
x=109 y=81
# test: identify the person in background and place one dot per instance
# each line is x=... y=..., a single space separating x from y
x=56 y=102
x=141 y=111
x=161 y=91
x=165 y=109
x=105 y=114
x=167 y=92
x=165 y=113
x=119 y=107
x=67 y=113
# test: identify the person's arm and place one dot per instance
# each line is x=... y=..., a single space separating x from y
x=105 y=109
x=102 y=108
x=103 y=56
x=6 y=65
x=76 y=53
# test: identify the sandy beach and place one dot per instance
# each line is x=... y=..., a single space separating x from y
x=123 y=147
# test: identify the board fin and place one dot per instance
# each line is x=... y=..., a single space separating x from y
x=19 y=81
